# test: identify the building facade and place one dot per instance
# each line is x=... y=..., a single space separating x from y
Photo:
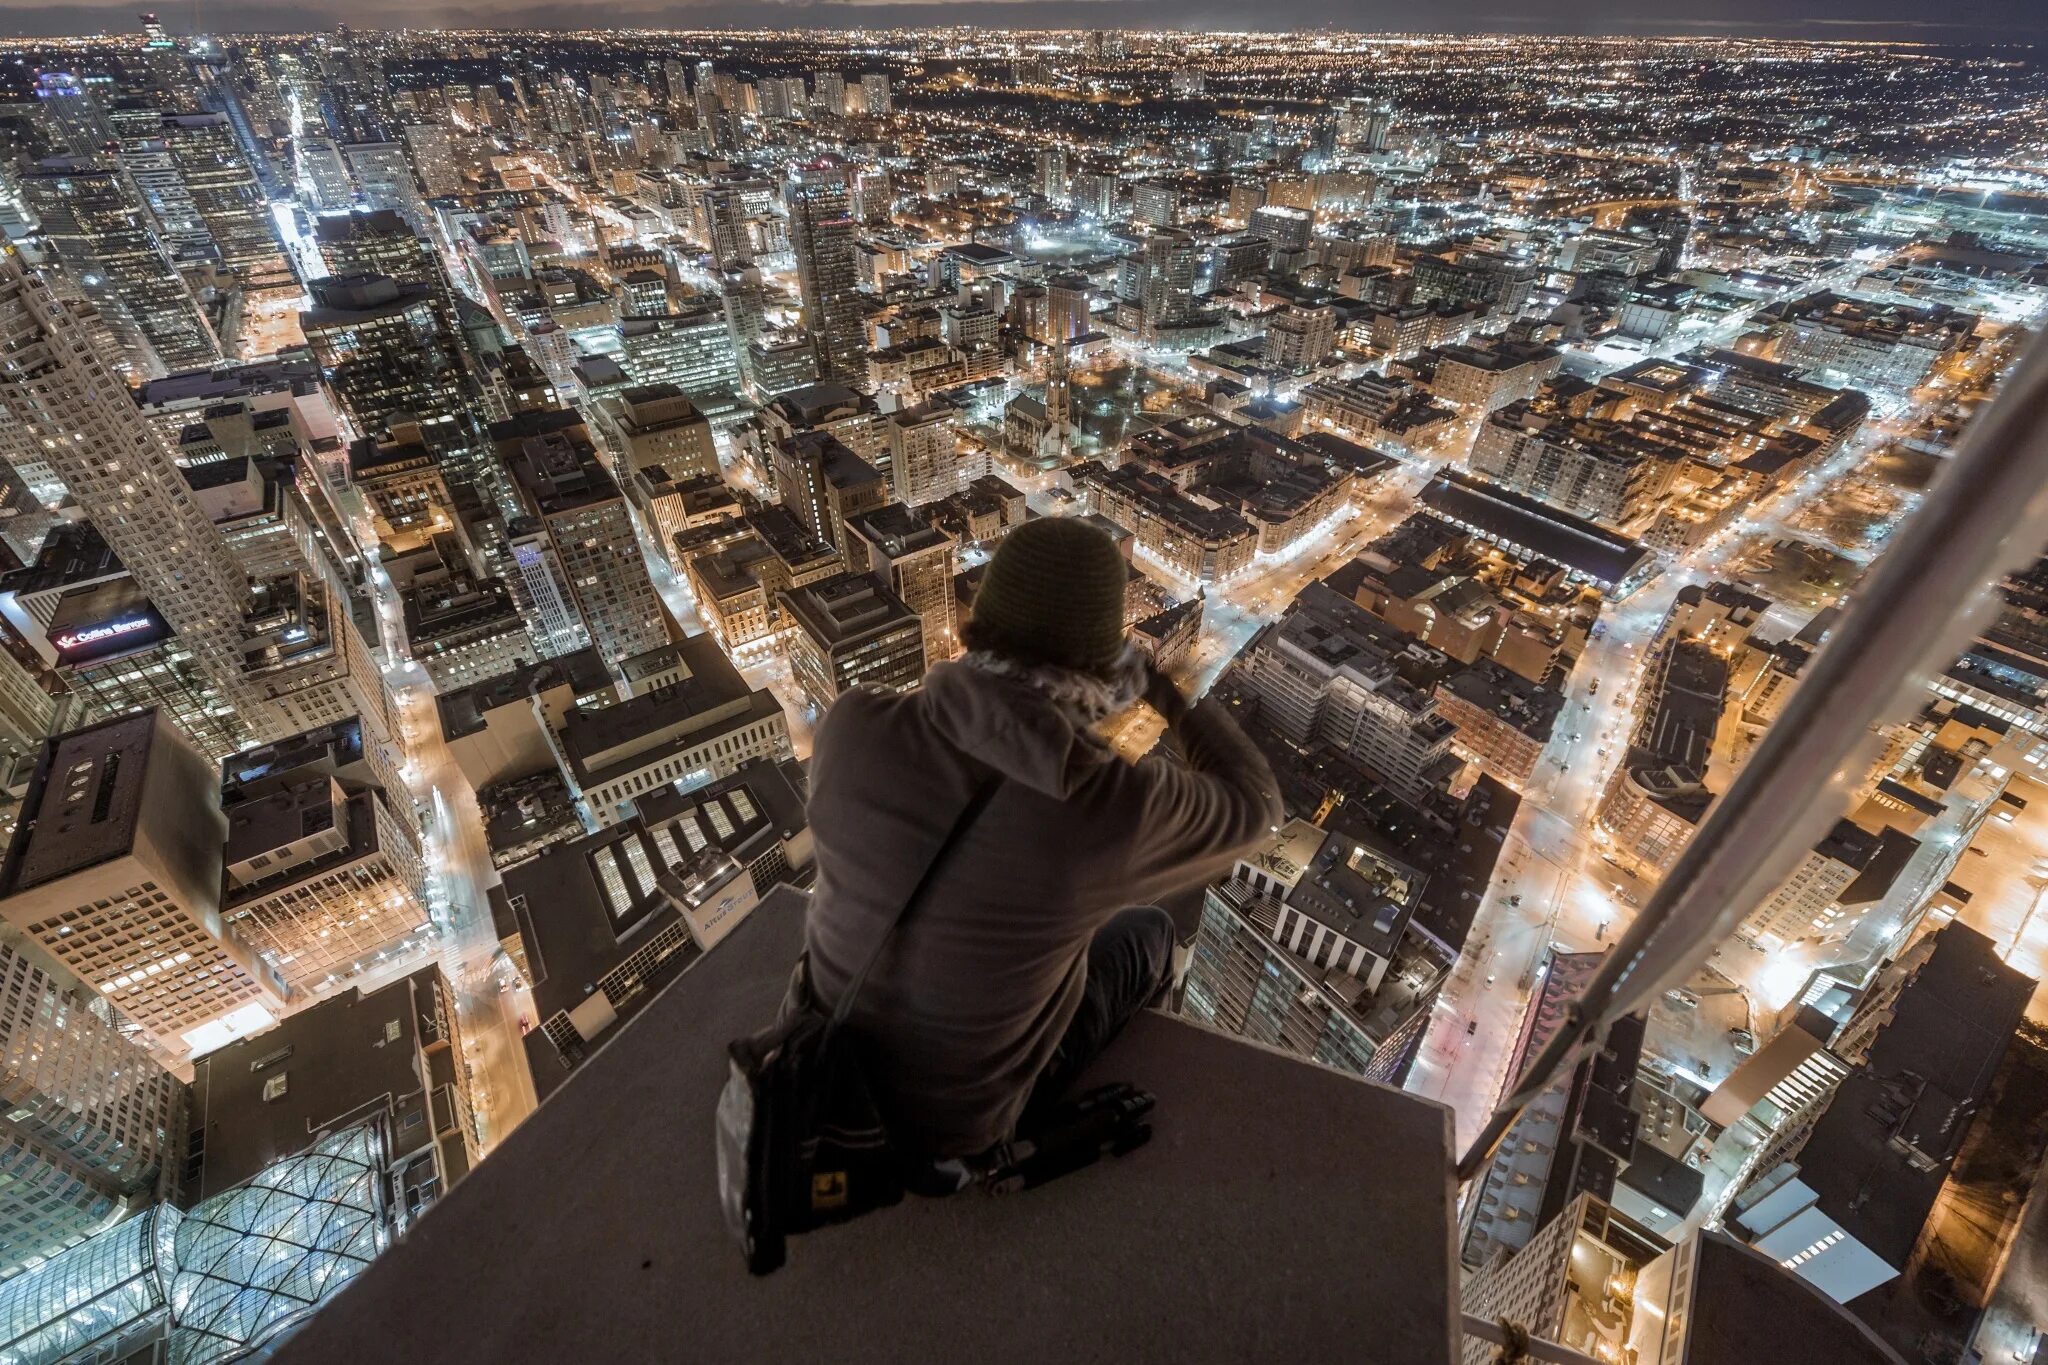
x=92 y=1122
x=115 y=870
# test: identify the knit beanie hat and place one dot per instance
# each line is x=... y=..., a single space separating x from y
x=1053 y=594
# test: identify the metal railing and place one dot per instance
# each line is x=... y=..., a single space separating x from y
x=1910 y=617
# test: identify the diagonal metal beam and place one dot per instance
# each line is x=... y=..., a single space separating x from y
x=1987 y=513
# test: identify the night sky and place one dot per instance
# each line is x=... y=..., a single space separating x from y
x=1971 y=21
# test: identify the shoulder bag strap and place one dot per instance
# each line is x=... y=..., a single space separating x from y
x=969 y=813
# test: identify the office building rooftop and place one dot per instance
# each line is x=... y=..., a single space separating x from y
x=345 y=300
x=265 y=1097
x=1529 y=527
x=814 y=404
x=73 y=552
x=709 y=691
x=462 y=712
x=335 y=748
x=841 y=611
x=559 y=473
x=84 y=804
x=1928 y=1069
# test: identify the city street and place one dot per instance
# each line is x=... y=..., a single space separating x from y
x=1555 y=885
x=1233 y=612
x=488 y=1012
x=1631 y=349
x=459 y=873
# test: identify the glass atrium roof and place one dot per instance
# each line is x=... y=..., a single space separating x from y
x=218 y=1280
x=255 y=1258
x=104 y=1286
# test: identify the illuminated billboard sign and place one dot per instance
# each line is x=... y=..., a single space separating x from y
x=135 y=628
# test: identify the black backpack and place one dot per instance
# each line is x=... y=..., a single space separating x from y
x=801 y=1141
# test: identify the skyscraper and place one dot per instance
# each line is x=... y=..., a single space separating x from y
x=579 y=566
x=1308 y=946
x=387 y=351
x=433 y=157
x=852 y=631
x=782 y=97
x=1052 y=173
x=88 y=1120
x=1066 y=307
x=145 y=157
x=63 y=400
x=384 y=178
x=115 y=871
x=1365 y=124
x=108 y=245
x=692 y=350
x=1160 y=279
x=71 y=113
x=223 y=190
x=823 y=482
x=916 y=560
x=382 y=242
x=725 y=218
x=1155 y=204
x=164 y=60
x=821 y=232
x=322 y=174
x=828 y=94
x=704 y=89
x=322 y=874
x=270 y=662
x=745 y=322
x=925 y=461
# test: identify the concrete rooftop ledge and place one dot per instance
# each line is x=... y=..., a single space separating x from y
x=1281 y=1209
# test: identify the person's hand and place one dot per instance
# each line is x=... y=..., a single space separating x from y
x=1164 y=696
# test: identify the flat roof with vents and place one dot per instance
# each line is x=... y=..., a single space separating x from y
x=82 y=808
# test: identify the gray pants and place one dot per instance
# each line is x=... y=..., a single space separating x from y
x=1129 y=960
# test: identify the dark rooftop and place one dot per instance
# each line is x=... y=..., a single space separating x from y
x=323 y=1064
x=1949 y=1030
x=559 y=906
x=462 y=712
x=1873 y=883
x=557 y=473
x=591 y=740
x=343 y=227
x=814 y=403
x=896 y=531
x=1746 y=1309
x=1686 y=689
x=1579 y=545
x=72 y=552
x=226 y=381
x=85 y=800
x=1529 y=707
x=980 y=253
x=847 y=609
x=343 y=300
x=838 y=464
x=336 y=748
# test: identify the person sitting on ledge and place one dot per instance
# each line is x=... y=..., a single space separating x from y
x=1038 y=940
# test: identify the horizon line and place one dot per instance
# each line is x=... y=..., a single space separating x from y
x=1693 y=30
